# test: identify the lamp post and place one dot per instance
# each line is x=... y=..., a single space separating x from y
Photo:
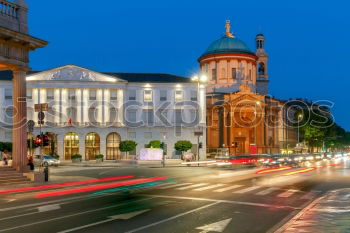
x=300 y=116
x=199 y=79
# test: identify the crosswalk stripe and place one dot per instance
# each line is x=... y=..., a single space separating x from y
x=209 y=187
x=266 y=191
x=174 y=185
x=247 y=189
x=192 y=186
x=287 y=193
x=228 y=188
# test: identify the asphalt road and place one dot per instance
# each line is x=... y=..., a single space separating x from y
x=193 y=199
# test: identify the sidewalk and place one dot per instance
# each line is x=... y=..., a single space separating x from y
x=327 y=214
x=129 y=163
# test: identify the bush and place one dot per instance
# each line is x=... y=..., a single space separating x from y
x=154 y=144
x=99 y=156
x=77 y=156
x=183 y=146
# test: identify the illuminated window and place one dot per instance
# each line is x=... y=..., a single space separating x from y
x=147 y=96
x=50 y=94
x=71 y=95
x=112 y=147
x=178 y=95
x=92 y=94
x=92 y=146
x=114 y=95
x=71 y=145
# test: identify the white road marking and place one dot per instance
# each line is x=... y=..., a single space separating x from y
x=192 y=186
x=110 y=218
x=267 y=191
x=288 y=193
x=247 y=189
x=209 y=187
x=174 y=186
x=46 y=208
x=171 y=218
x=68 y=216
x=216 y=226
x=228 y=188
x=224 y=201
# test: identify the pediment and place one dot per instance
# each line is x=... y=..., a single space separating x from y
x=72 y=73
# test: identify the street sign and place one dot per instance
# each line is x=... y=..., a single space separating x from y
x=30 y=125
x=41 y=107
x=198 y=133
x=41 y=116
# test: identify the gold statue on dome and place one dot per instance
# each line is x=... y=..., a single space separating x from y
x=228 y=29
x=245 y=88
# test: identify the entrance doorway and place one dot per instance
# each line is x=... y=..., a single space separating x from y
x=92 y=146
x=112 y=147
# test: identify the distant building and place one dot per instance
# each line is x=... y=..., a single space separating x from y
x=91 y=112
x=240 y=114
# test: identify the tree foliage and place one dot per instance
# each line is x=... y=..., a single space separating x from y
x=127 y=146
x=154 y=144
x=183 y=145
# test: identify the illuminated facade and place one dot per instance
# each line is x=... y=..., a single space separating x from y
x=91 y=112
x=241 y=117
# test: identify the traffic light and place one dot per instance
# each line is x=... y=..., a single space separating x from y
x=200 y=145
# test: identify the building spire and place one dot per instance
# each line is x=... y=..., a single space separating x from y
x=228 y=29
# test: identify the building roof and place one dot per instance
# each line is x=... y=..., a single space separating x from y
x=227 y=45
x=129 y=77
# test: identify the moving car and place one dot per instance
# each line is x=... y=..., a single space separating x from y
x=240 y=160
x=45 y=160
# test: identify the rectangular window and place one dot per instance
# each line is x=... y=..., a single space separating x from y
x=113 y=115
x=50 y=94
x=163 y=95
x=131 y=116
x=8 y=136
x=234 y=73
x=92 y=94
x=178 y=95
x=194 y=96
x=213 y=74
x=178 y=116
x=114 y=95
x=92 y=115
x=72 y=114
x=193 y=115
x=147 y=96
x=8 y=94
x=9 y=116
x=29 y=94
x=131 y=135
x=148 y=116
x=148 y=135
x=132 y=94
x=71 y=95
x=178 y=131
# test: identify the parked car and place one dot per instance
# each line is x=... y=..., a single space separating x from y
x=45 y=160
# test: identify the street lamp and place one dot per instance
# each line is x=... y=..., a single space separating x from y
x=199 y=79
x=300 y=117
x=257 y=103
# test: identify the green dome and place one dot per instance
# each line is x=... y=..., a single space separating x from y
x=227 y=45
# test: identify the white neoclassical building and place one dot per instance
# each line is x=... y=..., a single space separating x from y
x=91 y=112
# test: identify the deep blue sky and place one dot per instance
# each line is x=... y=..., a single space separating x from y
x=307 y=41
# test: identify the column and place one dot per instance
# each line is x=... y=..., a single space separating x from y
x=19 y=153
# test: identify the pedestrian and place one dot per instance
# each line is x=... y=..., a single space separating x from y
x=5 y=157
x=31 y=163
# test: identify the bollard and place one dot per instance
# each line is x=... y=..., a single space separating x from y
x=46 y=173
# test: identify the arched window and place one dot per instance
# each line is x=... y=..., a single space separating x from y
x=71 y=145
x=261 y=69
x=112 y=147
x=92 y=146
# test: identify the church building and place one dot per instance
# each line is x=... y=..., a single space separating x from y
x=241 y=116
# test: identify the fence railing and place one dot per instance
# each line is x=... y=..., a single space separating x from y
x=8 y=9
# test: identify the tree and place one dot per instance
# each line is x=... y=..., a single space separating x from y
x=154 y=144
x=127 y=146
x=183 y=146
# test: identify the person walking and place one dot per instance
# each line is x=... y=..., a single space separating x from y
x=31 y=163
x=5 y=157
